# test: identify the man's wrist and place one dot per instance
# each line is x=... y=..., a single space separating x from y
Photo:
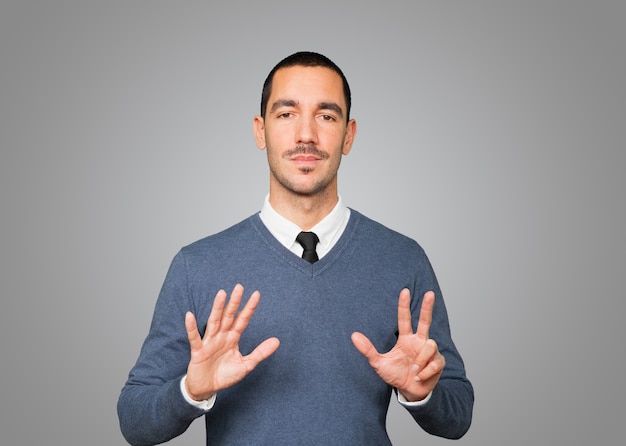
x=204 y=404
x=402 y=400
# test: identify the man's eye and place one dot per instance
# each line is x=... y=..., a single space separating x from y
x=328 y=118
x=285 y=115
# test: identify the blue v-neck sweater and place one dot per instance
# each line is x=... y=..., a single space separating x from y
x=316 y=389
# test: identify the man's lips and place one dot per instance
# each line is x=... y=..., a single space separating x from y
x=305 y=158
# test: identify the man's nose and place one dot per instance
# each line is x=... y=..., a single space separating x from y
x=306 y=130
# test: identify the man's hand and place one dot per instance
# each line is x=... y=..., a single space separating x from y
x=414 y=364
x=216 y=362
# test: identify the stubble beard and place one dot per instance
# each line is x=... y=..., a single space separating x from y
x=296 y=189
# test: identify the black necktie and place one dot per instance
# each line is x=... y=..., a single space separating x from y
x=308 y=240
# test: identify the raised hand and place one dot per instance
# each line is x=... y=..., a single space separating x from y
x=414 y=364
x=216 y=362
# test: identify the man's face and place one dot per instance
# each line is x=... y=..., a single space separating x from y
x=305 y=130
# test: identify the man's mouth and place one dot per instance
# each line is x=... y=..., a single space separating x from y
x=306 y=153
x=305 y=158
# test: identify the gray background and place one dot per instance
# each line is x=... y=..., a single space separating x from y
x=490 y=131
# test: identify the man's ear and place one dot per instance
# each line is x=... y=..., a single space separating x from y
x=258 y=128
x=350 y=135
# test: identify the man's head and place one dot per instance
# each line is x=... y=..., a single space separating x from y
x=305 y=59
x=305 y=128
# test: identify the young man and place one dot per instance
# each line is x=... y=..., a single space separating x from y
x=301 y=365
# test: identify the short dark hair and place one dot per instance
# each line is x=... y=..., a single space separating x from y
x=305 y=59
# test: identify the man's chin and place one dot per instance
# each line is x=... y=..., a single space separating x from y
x=308 y=190
x=304 y=185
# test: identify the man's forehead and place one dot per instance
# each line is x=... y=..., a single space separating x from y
x=296 y=82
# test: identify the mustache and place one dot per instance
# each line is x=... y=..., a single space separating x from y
x=306 y=149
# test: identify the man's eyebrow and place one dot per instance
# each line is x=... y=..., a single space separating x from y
x=321 y=106
x=331 y=106
x=283 y=103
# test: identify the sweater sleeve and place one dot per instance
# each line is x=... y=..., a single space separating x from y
x=448 y=412
x=151 y=407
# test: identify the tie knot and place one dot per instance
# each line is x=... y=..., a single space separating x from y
x=309 y=241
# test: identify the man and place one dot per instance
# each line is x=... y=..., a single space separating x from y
x=301 y=365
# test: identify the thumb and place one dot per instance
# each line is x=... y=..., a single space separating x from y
x=263 y=351
x=364 y=346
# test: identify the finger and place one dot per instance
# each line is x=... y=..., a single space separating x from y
x=426 y=315
x=405 y=324
x=433 y=368
x=244 y=316
x=364 y=346
x=195 y=342
x=427 y=354
x=215 y=318
x=230 y=311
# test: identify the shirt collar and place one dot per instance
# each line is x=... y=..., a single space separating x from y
x=328 y=230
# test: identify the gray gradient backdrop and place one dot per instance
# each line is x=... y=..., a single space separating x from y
x=490 y=131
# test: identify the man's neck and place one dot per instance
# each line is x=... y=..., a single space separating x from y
x=304 y=210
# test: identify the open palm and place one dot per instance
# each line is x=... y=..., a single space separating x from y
x=216 y=362
x=414 y=364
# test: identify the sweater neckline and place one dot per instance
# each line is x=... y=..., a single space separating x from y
x=287 y=255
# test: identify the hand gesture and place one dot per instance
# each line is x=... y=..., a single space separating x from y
x=414 y=364
x=216 y=362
